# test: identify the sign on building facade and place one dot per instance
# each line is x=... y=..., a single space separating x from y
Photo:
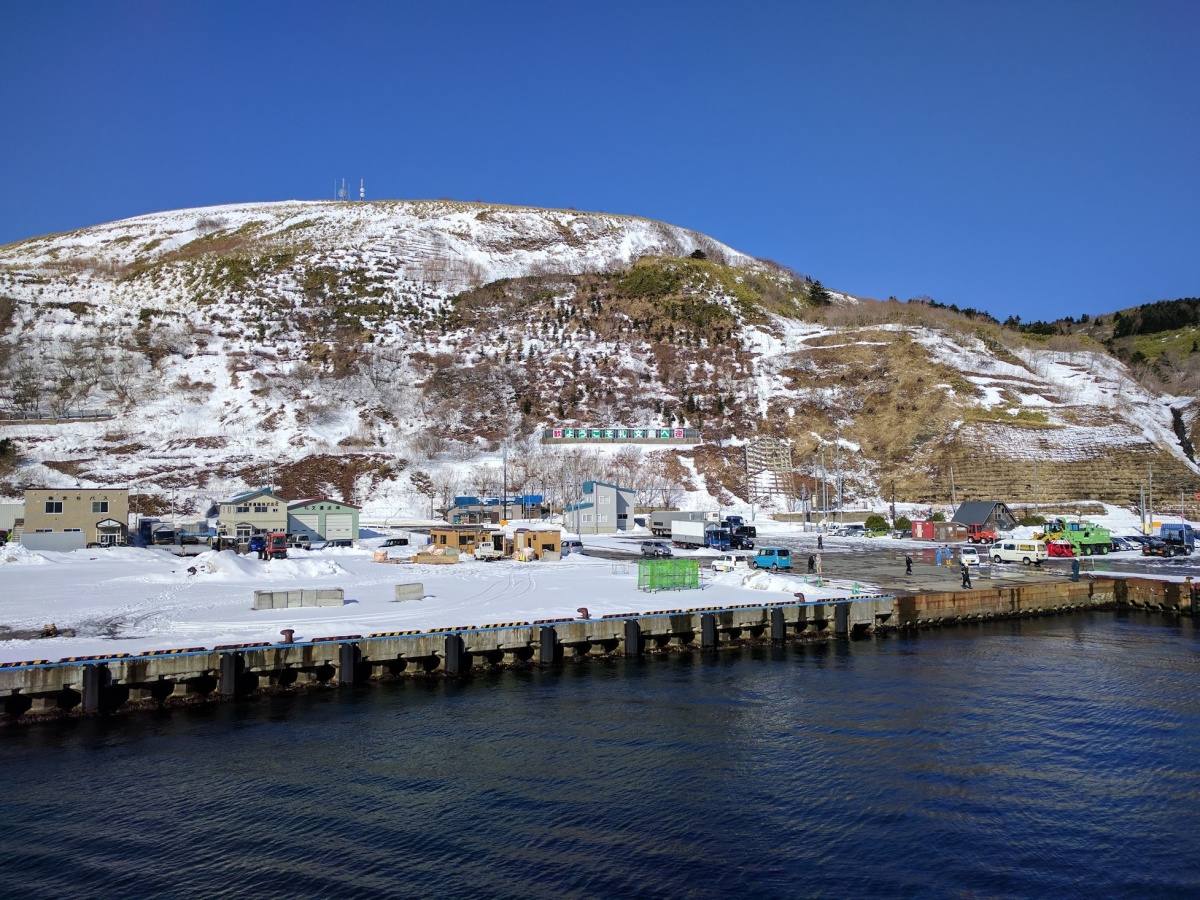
x=574 y=435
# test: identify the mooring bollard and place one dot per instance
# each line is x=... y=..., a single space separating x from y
x=454 y=654
x=778 y=627
x=1074 y=570
x=288 y=635
x=547 y=645
x=708 y=632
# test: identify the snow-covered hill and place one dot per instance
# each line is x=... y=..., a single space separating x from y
x=370 y=349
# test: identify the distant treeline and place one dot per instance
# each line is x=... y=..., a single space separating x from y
x=1151 y=318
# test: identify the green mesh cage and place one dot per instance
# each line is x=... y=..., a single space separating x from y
x=668 y=574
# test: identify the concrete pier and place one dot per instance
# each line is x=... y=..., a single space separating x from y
x=102 y=684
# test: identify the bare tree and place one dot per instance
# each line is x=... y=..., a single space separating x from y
x=485 y=480
x=445 y=486
x=26 y=386
x=423 y=484
x=74 y=371
x=123 y=373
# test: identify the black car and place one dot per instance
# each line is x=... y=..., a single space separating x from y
x=739 y=541
x=656 y=549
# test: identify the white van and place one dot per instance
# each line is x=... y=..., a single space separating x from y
x=1027 y=552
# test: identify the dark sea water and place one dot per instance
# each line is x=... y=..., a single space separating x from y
x=1043 y=758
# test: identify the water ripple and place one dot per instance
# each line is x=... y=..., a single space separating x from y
x=1019 y=759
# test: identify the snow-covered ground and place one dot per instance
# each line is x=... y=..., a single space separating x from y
x=128 y=600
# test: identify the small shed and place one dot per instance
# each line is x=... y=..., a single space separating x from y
x=462 y=538
x=546 y=543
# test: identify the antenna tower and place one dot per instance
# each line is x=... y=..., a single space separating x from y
x=362 y=190
x=342 y=192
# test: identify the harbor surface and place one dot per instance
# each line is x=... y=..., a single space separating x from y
x=1025 y=758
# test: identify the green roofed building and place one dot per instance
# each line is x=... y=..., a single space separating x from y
x=322 y=519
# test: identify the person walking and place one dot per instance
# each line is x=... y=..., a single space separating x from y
x=820 y=542
x=966 y=575
x=907 y=564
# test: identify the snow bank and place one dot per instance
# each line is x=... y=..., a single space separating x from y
x=16 y=555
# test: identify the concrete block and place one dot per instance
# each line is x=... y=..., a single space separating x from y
x=329 y=597
x=412 y=591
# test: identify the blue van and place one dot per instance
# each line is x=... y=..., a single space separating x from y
x=773 y=558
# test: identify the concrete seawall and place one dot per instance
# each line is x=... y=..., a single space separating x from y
x=104 y=684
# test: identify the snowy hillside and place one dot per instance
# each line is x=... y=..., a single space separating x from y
x=383 y=353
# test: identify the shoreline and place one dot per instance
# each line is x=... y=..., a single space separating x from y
x=115 y=684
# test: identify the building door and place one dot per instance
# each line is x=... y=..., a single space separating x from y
x=308 y=523
x=339 y=526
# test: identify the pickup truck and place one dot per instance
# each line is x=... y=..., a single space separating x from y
x=487 y=553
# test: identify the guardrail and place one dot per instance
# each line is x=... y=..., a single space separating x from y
x=9 y=416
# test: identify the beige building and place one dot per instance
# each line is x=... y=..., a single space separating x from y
x=90 y=516
x=252 y=512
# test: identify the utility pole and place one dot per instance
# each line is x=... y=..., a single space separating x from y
x=841 y=482
x=1150 y=502
x=824 y=486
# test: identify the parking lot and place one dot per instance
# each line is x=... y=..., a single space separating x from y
x=880 y=561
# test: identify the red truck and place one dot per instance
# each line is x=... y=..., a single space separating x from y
x=274 y=546
x=977 y=534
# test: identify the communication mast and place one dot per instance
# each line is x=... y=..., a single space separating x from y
x=342 y=192
x=362 y=190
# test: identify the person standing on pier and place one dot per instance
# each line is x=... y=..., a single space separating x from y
x=907 y=564
x=966 y=575
x=812 y=564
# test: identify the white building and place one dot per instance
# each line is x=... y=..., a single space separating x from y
x=603 y=509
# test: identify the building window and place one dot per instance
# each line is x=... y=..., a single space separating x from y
x=243 y=532
x=43 y=531
x=53 y=507
x=587 y=518
x=243 y=508
x=261 y=508
x=99 y=506
x=73 y=529
x=602 y=517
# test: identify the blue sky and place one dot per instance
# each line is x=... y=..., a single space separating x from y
x=1029 y=158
